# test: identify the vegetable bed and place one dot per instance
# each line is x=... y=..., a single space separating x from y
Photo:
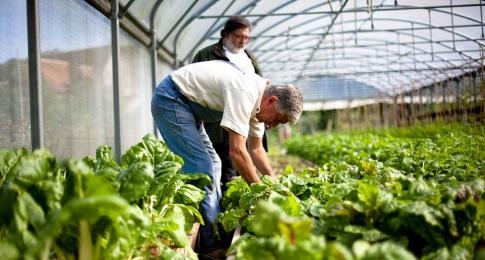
x=95 y=208
x=393 y=194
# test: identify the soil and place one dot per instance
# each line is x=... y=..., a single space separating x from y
x=279 y=160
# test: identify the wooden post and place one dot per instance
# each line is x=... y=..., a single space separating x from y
x=401 y=111
x=475 y=103
x=379 y=114
x=420 y=111
x=444 y=87
x=433 y=109
x=349 y=114
x=411 y=105
x=394 y=112
x=482 y=86
x=457 y=98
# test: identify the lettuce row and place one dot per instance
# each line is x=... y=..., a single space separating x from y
x=375 y=196
x=95 y=208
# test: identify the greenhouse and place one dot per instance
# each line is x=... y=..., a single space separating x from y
x=231 y=129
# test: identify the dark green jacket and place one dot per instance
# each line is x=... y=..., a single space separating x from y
x=216 y=52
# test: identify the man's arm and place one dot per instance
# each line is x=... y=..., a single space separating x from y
x=258 y=155
x=240 y=157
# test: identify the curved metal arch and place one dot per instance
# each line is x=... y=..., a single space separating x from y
x=421 y=62
x=255 y=47
x=160 y=43
x=381 y=8
x=424 y=38
x=367 y=19
x=217 y=28
x=342 y=6
x=393 y=43
x=296 y=49
x=404 y=87
x=394 y=52
x=406 y=65
x=420 y=37
x=376 y=86
x=286 y=19
x=364 y=21
x=203 y=9
x=205 y=34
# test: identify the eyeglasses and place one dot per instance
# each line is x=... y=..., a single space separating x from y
x=239 y=37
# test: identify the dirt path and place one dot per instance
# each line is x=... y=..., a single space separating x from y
x=279 y=160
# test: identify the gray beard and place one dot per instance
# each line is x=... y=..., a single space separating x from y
x=232 y=48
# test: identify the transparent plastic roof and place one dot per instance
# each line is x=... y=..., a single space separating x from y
x=390 y=45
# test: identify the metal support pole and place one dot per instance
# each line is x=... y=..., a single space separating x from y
x=457 y=100
x=115 y=53
x=452 y=24
x=430 y=35
x=153 y=48
x=414 y=48
x=355 y=23
x=481 y=17
x=433 y=111
x=399 y=50
x=35 y=78
x=475 y=102
x=154 y=68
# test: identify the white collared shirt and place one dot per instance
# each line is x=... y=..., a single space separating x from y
x=241 y=59
x=221 y=86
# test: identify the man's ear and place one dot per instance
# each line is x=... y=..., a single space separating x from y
x=273 y=99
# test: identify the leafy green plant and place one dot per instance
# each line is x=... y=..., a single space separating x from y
x=95 y=208
x=377 y=195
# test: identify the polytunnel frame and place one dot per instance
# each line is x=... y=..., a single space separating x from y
x=398 y=30
x=121 y=17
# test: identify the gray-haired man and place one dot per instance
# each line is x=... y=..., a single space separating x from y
x=244 y=103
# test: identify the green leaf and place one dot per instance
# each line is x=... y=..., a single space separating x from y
x=189 y=195
x=33 y=167
x=136 y=182
x=388 y=251
x=231 y=218
x=90 y=209
x=8 y=159
x=76 y=170
x=9 y=251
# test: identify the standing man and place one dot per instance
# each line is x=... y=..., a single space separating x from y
x=231 y=47
x=244 y=104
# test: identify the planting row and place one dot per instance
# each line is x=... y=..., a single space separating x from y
x=95 y=208
x=397 y=194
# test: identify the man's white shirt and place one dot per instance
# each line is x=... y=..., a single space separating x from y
x=221 y=86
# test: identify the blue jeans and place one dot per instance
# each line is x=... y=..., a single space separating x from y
x=180 y=122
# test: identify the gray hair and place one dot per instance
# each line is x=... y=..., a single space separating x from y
x=290 y=100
